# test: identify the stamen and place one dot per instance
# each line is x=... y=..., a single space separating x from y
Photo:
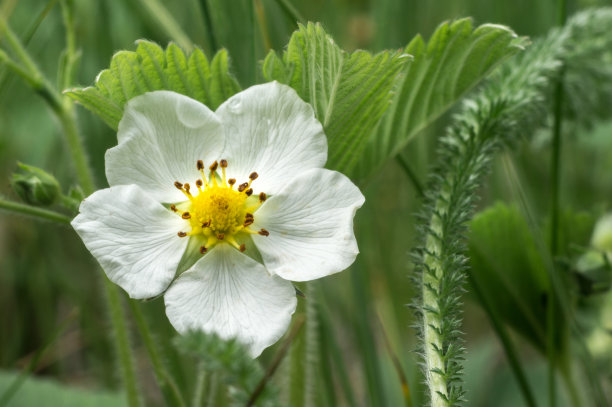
x=230 y=239
x=253 y=176
x=206 y=224
x=243 y=186
x=220 y=236
x=203 y=249
x=181 y=234
x=187 y=187
x=231 y=182
x=199 y=184
x=223 y=167
x=200 y=165
x=186 y=215
x=242 y=247
x=178 y=185
x=173 y=208
x=212 y=169
x=248 y=222
x=248 y=215
x=264 y=232
x=262 y=196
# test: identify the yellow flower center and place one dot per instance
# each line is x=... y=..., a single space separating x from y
x=218 y=211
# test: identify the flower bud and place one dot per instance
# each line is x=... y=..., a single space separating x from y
x=35 y=186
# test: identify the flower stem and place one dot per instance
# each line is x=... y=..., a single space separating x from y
x=122 y=342
x=551 y=330
x=64 y=110
x=77 y=150
x=168 y=387
x=33 y=211
x=435 y=369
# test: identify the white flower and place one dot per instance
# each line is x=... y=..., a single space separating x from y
x=243 y=188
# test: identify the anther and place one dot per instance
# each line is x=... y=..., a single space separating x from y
x=200 y=165
x=186 y=215
x=248 y=222
x=199 y=183
x=206 y=224
x=186 y=187
x=220 y=236
x=242 y=247
x=264 y=232
x=214 y=166
x=181 y=234
x=262 y=196
x=242 y=187
x=231 y=181
x=173 y=208
x=249 y=215
x=253 y=176
x=178 y=185
x=203 y=249
x=249 y=192
x=223 y=163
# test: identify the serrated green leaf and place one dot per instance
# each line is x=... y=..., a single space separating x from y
x=222 y=86
x=149 y=68
x=453 y=61
x=93 y=99
x=349 y=92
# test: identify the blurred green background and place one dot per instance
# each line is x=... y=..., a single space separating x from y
x=47 y=278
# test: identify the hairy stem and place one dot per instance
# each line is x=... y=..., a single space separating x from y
x=168 y=387
x=33 y=211
x=64 y=110
x=120 y=328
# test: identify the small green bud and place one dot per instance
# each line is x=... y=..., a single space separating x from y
x=35 y=186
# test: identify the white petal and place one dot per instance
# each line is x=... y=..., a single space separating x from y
x=271 y=131
x=311 y=226
x=230 y=294
x=133 y=237
x=161 y=136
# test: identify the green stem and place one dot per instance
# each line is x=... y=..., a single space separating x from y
x=200 y=390
x=556 y=182
x=33 y=211
x=435 y=369
x=19 y=50
x=297 y=325
x=64 y=109
x=213 y=388
x=168 y=387
x=75 y=145
x=122 y=341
